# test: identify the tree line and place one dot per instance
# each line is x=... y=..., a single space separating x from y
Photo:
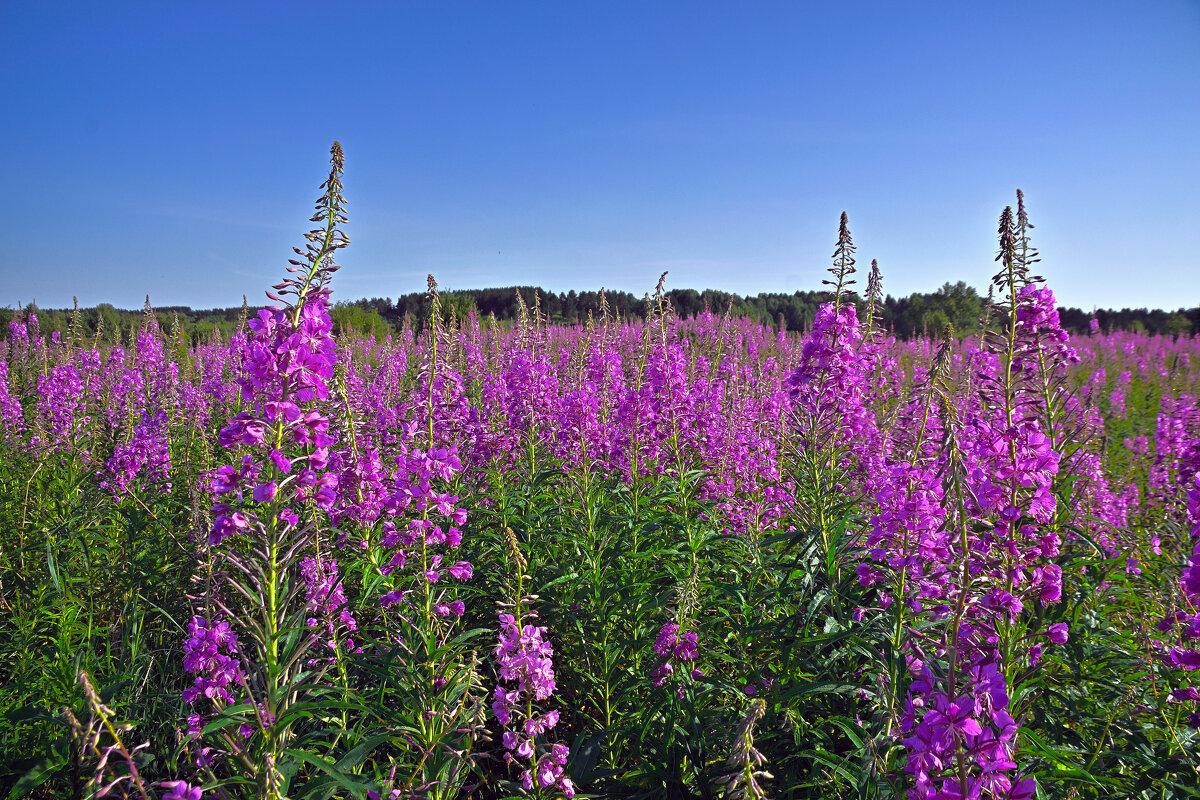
x=918 y=314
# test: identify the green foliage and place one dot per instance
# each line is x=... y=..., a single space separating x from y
x=89 y=586
x=956 y=303
x=363 y=322
x=100 y=586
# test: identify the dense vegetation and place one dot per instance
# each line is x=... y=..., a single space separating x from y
x=683 y=554
x=921 y=314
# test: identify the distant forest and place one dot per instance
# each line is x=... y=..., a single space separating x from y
x=958 y=304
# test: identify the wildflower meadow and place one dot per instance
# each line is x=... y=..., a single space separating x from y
x=652 y=557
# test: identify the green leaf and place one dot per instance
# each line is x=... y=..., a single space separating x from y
x=337 y=779
x=42 y=772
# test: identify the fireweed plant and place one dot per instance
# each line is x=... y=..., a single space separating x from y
x=636 y=558
x=309 y=502
x=249 y=682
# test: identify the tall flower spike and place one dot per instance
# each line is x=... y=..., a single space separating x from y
x=874 y=297
x=843 y=263
x=525 y=662
x=745 y=762
x=1009 y=262
x=317 y=266
x=76 y=323
x=279 y=475
x=1028 y=254
x=514 y=549
x=985 y=312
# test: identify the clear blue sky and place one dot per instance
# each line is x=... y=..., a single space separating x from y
x=175 y=148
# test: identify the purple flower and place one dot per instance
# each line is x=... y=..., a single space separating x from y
x=181 y=790
x=536 y=725
x=524 y=657
x=1026 y=788
x=227 y=524
x=243 y=429
x=1057 y=633
x=265 y=492
x=281 y=462
x=1051 y=577
x=225 y=480
x=326 y=600
x=210 y=653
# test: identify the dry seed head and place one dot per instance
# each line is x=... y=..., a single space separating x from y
x=1005 y=230
x=874 y=296
x=75 y=321
x=522 y=320
x=745 y=761
x=843 y=262
x=435 y=304
x=241 y=323
x=1022 y=217
x=941 y=361
x=874 y=281
x=514 y=549
x=688 y=593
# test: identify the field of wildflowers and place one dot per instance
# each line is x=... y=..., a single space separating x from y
x=682 y=558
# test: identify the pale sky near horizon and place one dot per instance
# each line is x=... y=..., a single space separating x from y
x=175 y=149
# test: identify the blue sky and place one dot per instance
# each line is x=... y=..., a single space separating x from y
x=175 y=148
